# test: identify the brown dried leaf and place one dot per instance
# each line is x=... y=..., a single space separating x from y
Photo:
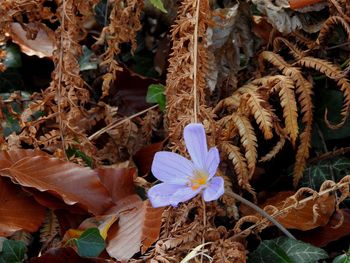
x=138 y=227
x=313 y=214
x=71 y=182
x=18 y=210
x=144 y=157
x=139 y=223
x=321 y=236
x=42 y=45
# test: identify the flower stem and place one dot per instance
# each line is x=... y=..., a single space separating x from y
x=263 y=213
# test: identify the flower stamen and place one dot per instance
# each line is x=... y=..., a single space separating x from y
x=199 y=179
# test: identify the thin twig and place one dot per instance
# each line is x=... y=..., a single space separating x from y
x=284 y=210
x=195 y=62
x=113 y=125
x=59 y=86
x=328 y=155
x=263 y=213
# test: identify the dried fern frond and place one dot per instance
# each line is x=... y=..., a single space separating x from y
x=293 y=49
x=274 y=151
x=50 y=231
x=248 y=140
x=239 y=163
x=328 y=25
x=124 y=24
x=180 y=80
x=262 y=115
x=304 y=90
x=298 y=201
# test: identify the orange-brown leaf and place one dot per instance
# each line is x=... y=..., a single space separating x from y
x=138 y=227
x=313 y=214
x=69 y=181
x=18 y=210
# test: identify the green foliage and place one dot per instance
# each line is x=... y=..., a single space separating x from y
x=87 y=61
x=155 y=94
x=11 y=80
x=102 y=13
x=90 y=243
x=316 y=174
x=159 y=5
x=12 y=251
x=11 y=124
x=13 y=57
x=77 y=153
x=344 y=258
x=286 y=250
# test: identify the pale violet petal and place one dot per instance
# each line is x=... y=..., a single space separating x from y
x=214 y=190
x=172 y=168
x=196 y=144
x=170 y=194
x=212 y=161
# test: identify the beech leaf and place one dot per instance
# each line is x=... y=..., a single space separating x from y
x=18 y=210
x=72 y=183
x=138 y=224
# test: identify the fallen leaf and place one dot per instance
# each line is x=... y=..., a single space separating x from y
x=321 y=236
x=313 y=214
x=42 y=45
x=69 y=181
x=136 y=228
x=18 y=210
x=144 y=157
x=138 y=224
x=65 y=255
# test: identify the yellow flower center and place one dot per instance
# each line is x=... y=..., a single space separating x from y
x=198 y=179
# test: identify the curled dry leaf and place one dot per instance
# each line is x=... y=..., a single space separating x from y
x=321 y=236
x=311 y=215
x=138 y=223
x=43 y=43
x=18 y=210
x=69 y=181
x=304 y=217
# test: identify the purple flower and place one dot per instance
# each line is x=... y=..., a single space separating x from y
x=183 y=179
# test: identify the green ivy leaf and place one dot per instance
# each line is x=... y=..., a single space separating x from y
x=85 y=61
x=159 y=5
x=13 y=57
x=12 y=251
x=286 y=250
x=155 y=94
x=316 y=174
x=90 y=243
x=344 y=258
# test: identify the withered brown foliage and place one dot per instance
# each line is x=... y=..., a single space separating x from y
x=247 y=95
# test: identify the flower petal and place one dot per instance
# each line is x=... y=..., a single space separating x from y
x=212 y=161
x=214 y=190
x=170 y=194
x=172 y=168
x=196 y=143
